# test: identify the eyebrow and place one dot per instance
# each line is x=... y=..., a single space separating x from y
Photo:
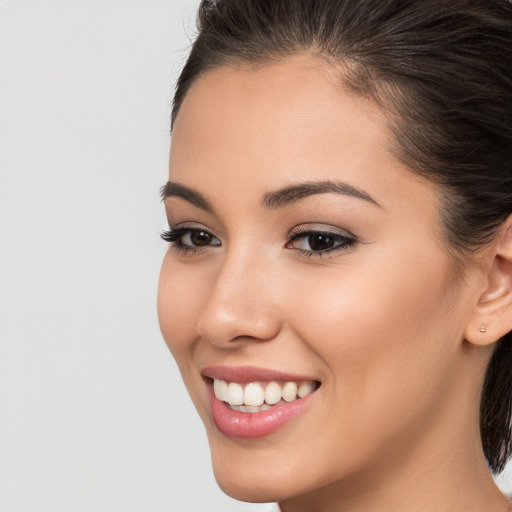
x=288 y=195
x=171 y=189
x=274 y=199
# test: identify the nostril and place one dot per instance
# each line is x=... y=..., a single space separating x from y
x=225 y=327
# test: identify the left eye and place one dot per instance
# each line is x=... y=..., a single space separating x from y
x=319 y=241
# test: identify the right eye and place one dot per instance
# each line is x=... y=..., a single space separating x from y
x=189 y=239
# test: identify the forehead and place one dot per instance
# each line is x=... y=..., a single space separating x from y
x=291 y=82
x=295 y=110
x=300 y=89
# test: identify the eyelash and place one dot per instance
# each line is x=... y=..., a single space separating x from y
x=342 y=242
x=174 y=237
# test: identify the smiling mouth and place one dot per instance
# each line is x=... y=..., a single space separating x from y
x=250 y=402
x=254 y=397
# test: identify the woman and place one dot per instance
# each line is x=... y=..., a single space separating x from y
x=338 y=288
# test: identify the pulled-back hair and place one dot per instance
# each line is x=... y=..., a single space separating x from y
x=443 y=70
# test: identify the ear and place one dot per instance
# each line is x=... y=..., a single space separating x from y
x=492 y=317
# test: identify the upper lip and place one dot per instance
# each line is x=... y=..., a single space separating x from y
x=244 y=374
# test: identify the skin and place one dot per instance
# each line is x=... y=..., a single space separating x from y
x=381 y=323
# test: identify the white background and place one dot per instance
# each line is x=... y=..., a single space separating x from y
x=93 y=414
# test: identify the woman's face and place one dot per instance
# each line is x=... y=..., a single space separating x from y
x=305 y=254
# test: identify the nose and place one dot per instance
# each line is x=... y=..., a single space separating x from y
x=242 y=305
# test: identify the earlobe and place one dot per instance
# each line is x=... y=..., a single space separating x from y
x=492 y=317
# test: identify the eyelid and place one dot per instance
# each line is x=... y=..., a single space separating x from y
x=319 y=228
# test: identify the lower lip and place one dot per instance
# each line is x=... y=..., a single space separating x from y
x=246 y=425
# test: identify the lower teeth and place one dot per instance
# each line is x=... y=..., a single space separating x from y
x=250 y=408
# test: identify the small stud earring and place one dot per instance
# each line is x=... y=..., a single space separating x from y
x=483 y=328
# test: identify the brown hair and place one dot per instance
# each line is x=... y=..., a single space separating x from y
x=444 y=69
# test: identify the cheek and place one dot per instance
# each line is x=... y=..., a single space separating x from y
x=179 y=305
x=385 y=331
x=383 y=336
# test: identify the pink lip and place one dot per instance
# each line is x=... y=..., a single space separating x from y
x=242 y=425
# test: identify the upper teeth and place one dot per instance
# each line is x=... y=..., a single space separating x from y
x=256 y=394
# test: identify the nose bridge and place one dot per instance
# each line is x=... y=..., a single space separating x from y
x=240 y=305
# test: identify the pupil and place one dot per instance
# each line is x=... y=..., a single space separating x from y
x=200 y=238
x=320 y=242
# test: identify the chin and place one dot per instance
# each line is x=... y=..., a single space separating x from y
x=262 y=472
x=263 y=486
x=248 y=490
x=257 y=475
